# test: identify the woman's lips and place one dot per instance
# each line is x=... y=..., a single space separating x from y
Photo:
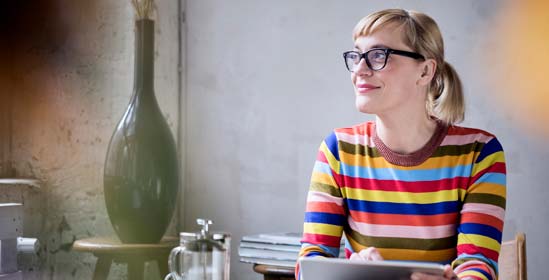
x=365 y=88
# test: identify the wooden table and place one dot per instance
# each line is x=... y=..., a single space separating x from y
x=109 y=250
x=271 y=272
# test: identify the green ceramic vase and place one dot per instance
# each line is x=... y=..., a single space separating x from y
x=141 y=167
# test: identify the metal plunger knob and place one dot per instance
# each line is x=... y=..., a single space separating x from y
x=205 y=223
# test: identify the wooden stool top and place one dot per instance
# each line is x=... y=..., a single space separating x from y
x=110 y=245
x=274 y=270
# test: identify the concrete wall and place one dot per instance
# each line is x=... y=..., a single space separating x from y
x=70 y=81
x=266 y=83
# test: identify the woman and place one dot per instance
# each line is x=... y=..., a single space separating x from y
x=410 y=185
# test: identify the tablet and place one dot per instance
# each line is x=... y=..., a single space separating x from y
x=317 y=268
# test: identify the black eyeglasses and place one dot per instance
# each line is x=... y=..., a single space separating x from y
x=376 y=59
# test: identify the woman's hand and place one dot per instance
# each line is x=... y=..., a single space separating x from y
x=368 y=254
x=448 y=275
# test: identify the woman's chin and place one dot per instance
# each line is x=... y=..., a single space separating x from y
x=363 y=108
x=364 y=104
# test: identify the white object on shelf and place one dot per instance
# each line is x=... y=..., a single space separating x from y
x=8 y=255
x=27 y=245
x=11 y=222
x=11 y=225
x=20 y=181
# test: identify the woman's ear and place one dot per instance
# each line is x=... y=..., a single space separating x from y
x=428 y=68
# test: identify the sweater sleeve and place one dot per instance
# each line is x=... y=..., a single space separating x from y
x=324 y=214
x=482 y=215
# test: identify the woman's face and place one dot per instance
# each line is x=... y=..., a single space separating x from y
x=395 y=87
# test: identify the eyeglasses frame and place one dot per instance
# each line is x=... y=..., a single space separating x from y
x=388 y=51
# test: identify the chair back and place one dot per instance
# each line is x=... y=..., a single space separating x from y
x=512 y=258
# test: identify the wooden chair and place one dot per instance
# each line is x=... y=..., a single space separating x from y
x=512 y=259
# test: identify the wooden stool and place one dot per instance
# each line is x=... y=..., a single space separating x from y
x=271 y=272
x=108 y=250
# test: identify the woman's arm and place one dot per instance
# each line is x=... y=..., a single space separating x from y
x=482 y=215
x=325 y=214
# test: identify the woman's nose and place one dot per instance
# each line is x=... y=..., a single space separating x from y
x=362 y=68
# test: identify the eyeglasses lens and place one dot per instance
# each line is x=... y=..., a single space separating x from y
x=376 y=60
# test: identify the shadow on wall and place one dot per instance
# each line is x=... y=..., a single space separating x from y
x=517 y=55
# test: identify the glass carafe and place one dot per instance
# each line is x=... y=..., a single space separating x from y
x=200 y=256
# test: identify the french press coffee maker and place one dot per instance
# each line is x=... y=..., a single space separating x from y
x=201 y=255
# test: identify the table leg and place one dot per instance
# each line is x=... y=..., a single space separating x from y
x=136 y=269
x=162 y=263
x=102 y=268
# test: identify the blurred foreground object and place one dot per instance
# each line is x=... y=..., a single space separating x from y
x=517 y=57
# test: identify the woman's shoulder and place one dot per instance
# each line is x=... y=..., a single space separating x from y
x=359 y=134
x=469 y=134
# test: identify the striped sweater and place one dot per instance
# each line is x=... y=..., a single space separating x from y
x=444 y=203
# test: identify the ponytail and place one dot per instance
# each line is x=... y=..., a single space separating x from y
x=445 y=99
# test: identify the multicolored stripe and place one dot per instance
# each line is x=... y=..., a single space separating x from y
x=448 y=209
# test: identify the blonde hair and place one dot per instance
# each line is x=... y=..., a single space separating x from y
x=421 y=33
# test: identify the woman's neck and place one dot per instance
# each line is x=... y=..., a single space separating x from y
x=406 y=134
